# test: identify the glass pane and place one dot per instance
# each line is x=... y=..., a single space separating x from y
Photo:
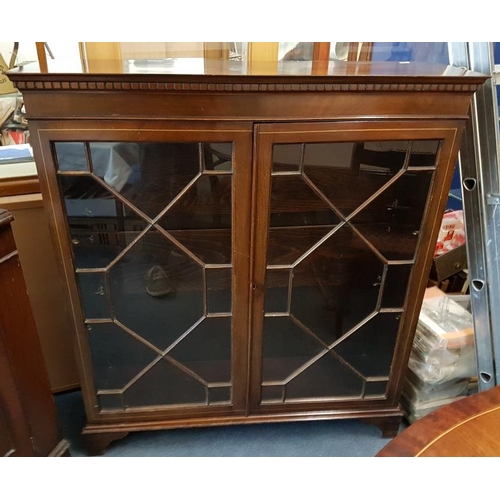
x=110 y=401
x=424 y=154
x=148 y=251
x=157 y=290
x=217 y=157
x=375 y=389
x=277 y=285
x=99 y=224
x=165 y=384
x=336 y=286
x=219 y=395
x=327 y=377
x=392 y=221
x=396 y=283
x=92 y=288
x=71 y=156
x=273 y=393
x=348 y=174
x=287 y=157
x=149 y=175
x=286 y=348
x=294 y=203
x=345 y=216
x=211 y=246
x=117 y=357
x=288 y=244
x=206 y=350
x=219 y=290
x=370 y=349
x=206 y=205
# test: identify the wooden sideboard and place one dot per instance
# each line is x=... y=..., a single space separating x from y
x=28 y=419
x=247 y=245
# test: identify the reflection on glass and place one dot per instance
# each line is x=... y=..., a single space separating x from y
x=369 y=350
x=217 y=157
x=117 y=357
x=336 y=286
x=100 y=226
x=351 y=173
x=219 y=290
x=396 y=283
x=424 y=154
x=165 y=384
x=327 y=377
x=375 y=389
x=110 y=401
x=287 y=157
x=71 y=156
x=206 y=350
x=286 y=348
x=205 y=205
x=344 y=225
x=294 y=203
x=277 y=289
x=157 y=290
x=95 y=299
x=392 y=221
x=145 y=219
x=273 y=393
x=287 y=244
x=219 y=395
x=211 y=246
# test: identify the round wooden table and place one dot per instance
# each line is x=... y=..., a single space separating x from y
x=467 y=428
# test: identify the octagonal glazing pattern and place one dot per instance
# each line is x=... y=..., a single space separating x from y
x=339 y=261
x=150 y=226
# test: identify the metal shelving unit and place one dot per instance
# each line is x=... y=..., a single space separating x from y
x=480 y=177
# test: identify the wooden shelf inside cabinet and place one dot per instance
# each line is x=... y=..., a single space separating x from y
x=247 y=245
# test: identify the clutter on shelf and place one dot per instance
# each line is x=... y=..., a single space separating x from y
x=13 y=123
x=449 y=266
x=442 y=365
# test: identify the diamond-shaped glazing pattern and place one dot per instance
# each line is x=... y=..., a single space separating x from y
x=345 y=220
x=145 y=219
x=117 y=357
x=166 y=384
x=157 y=263
x=207 y=350
x=336 y=286
x=392 y=221
x=286 y=347
x=371 y=347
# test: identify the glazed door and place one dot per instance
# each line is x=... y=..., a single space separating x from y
x=345 y=217
x=155 y=247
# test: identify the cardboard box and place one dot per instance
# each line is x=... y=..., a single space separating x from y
x=6 y=86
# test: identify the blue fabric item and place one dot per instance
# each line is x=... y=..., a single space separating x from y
x=496 y=52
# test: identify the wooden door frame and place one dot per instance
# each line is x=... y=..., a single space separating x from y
x=266 y=135
x=240 y=134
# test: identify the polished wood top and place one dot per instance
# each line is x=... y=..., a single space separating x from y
x=214 y=70
x=468 y=428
